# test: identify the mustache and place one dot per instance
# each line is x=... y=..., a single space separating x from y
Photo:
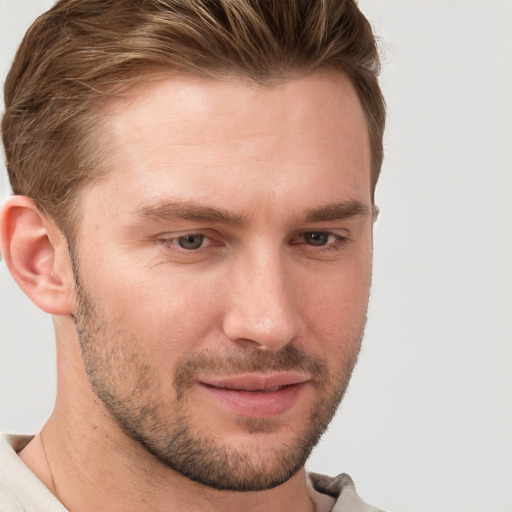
x=289 y=358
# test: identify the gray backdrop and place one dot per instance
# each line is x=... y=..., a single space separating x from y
x=427 y=422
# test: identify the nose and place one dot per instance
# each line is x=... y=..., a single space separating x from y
x=260 y=308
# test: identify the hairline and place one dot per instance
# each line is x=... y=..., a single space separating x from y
x=107 y=105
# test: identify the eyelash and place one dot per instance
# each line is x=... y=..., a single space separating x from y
x=174 y=241
x=336 y=243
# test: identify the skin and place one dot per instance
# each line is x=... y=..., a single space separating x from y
x=287 y=264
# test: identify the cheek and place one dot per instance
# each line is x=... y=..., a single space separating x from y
x=334 y=307
x=167 y=315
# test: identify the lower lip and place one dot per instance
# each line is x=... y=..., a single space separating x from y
x=257 y=404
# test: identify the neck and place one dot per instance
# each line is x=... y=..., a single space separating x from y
x=89 y=463
x=90 y=472
x=88 y=467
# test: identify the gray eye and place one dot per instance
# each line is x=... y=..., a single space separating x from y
x=316 y=238
x=191 y=242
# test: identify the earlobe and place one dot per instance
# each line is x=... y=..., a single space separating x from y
x=36 y=253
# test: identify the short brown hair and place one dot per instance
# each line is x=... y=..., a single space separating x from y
x=83 y=51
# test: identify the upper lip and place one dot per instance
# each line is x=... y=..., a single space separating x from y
x=256 y=381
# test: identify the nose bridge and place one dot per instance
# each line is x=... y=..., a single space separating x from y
x=261 y=307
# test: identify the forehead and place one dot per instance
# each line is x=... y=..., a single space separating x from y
x=185 y=109
x=206 y=140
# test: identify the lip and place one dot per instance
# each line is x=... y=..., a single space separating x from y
x=256 y=381
x=256 y=395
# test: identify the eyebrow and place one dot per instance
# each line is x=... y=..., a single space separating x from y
x=191 y=211
x=336 y=211
x=188 y=210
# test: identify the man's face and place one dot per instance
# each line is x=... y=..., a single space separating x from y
x=223 y=269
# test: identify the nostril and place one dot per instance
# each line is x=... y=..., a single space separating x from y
x=261 y=311
x=263 y=335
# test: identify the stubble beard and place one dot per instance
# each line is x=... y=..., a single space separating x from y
x=129 y=390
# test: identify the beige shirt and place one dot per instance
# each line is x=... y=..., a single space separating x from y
x=22 y=491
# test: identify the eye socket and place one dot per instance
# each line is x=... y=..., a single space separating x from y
x=321 y=242
x=317 y=238
x=191 y=242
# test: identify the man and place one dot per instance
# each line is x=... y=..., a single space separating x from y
x=194 y=186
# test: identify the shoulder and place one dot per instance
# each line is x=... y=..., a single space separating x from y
x=20 y=489
x=8 y=500
x=343 y=489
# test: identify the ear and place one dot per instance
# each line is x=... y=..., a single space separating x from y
x=36 y=253
x=375 y=212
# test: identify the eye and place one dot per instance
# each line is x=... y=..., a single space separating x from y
x=321 y=243
x=318 y=238
x=190 y=247
x=191 y=242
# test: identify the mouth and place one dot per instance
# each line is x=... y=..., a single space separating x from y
x=256 y=395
